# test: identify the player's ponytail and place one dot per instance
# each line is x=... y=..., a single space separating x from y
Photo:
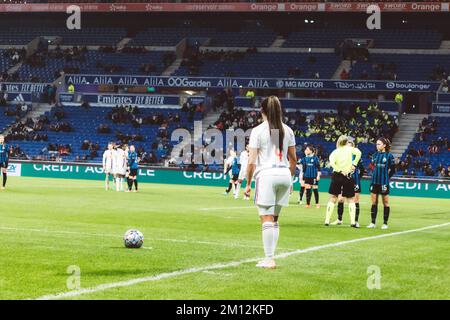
x=271 y=107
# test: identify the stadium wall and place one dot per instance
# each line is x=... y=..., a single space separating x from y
x=399 y=187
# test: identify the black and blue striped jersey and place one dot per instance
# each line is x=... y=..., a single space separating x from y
x=310 y=166
x=358 y=173
x=235 y=169
x=4 y=152
x=384 y=167
x=133 y=160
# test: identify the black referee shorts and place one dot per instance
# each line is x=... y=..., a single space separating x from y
x=341 y=184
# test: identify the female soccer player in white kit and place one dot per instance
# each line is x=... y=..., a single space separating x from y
x=243 y=160
x=120 y=167
x=272 y=161
x=108 y=163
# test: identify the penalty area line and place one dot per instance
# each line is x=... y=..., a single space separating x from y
x=161 y=276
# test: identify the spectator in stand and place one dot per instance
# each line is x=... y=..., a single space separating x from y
x=71 y=88
x=345 y=75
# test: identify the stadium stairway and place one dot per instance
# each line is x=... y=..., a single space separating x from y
x=38 y=110
x=171 y=69
x=345 y=64
x=278 y=43
x=14 y=68
x=122 y=43
x=445 y=44
x=407 y=129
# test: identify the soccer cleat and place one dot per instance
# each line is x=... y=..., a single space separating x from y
x=318 y=206
x=267 y=263
x=246 y=198
x=384 y=227
x=299 y=202
x=225 y=193
x=371 y=226
x=355 y=226
x=307 y=206
x=326 y=224
x=337 y=222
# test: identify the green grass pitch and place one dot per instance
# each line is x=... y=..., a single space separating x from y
x=48 y=225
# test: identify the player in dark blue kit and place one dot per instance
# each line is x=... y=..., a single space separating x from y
x=356 y=175
x=133 y=166
x=310 y=174
x=4 y=159
x=384 y=169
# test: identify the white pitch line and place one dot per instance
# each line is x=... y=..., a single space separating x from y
x=223 y=244
x=227 y=208
x=127 y=283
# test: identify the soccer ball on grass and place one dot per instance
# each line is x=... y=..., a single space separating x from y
x=133 y=239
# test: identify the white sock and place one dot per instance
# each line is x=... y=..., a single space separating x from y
x=238 y=187
x=276 y=235
x=268 y=238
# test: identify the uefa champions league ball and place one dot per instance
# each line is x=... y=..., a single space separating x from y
x=133 y=239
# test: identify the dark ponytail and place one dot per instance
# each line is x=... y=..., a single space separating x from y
x=271 y=107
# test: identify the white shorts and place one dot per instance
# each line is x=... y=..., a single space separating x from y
x=120 y=171
x=243 y=174
x=272 y=190
x=109 y=170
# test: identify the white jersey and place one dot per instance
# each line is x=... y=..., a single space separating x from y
x=243 y=160
x=300 y=169
x=120 y=162
x=269 y=155
x=228 y=164
x=108 y=160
